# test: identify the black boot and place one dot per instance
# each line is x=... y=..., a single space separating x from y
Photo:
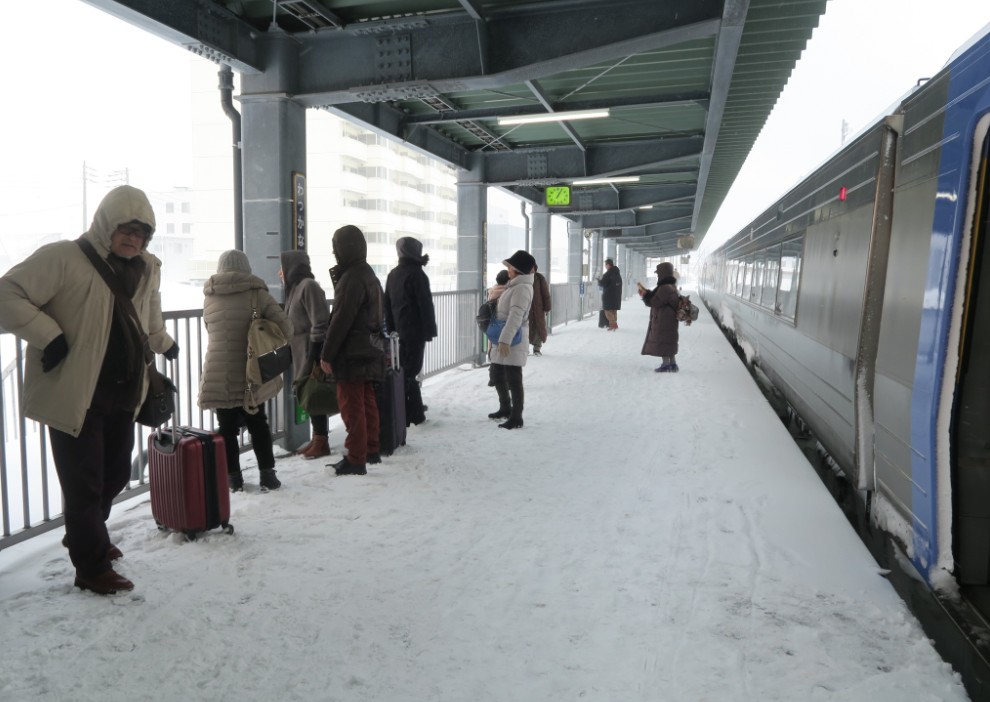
x=498 y=372
x=268 y=480
x=235 y=481
x=514 y=380
x=415 y=411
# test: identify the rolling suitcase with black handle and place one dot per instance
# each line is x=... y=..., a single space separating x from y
x=391 y=398
x=187 y=472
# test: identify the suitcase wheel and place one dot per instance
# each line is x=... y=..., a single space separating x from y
x=161 y=527
x=228 y=528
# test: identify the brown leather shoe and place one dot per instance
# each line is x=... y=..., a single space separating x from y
x=319 y=448
x=108 y=583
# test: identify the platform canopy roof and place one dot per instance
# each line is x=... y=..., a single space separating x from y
x=687 y=85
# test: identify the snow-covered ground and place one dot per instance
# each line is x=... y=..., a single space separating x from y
x=644 y=537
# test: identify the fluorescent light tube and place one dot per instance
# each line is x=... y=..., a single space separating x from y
x=605 y=181
x=553 y=117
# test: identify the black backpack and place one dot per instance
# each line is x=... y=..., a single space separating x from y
x=486 y=313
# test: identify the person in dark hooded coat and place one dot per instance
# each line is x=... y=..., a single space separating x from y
x=354 y=349
x=662 y=333
x=611 y=286
x=409 y=311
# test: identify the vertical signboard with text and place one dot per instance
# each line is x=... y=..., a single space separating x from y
x=299 y=211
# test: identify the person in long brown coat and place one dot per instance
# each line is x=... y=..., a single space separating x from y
x=542 y=304
x=662 y=333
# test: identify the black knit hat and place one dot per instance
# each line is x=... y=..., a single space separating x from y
x=522 y=261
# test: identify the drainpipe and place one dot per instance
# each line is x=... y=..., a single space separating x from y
x=522 y=206
x=227 y=101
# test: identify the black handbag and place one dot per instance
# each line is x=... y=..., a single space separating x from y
x=159 y=403
x=269 y=353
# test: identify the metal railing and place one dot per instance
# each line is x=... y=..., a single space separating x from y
x=30 y=495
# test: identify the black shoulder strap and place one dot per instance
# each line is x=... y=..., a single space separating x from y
x=121 y=298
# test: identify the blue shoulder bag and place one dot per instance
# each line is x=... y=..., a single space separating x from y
x=494 y=330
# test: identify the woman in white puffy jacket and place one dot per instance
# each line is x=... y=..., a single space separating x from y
x=507 y=359
x=227 y=312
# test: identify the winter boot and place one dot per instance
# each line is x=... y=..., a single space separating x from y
x=374 y=458
x=514 y=377
x=304 y=448
x=268 y=480
x=502 y=388
x=235 y=480
x=318 y=448
x=344 y=467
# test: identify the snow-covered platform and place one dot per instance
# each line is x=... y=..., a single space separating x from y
x=645 y=537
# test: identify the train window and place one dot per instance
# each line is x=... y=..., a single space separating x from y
x=747 y=277
x=757 y=288
x=770 y=277
x=790 y=277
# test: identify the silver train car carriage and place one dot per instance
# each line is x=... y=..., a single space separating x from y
x=864 y=296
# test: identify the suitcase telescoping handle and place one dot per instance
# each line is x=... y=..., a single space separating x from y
x=393 y=345
x=175 y=375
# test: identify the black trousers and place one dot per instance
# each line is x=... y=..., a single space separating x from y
x=92 y=468
x=509 y=386
x=411 y=354
x=229 y=421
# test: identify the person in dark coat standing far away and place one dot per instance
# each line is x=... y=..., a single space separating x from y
x=611 y=286
x=85 y=375
x=662 y=332
x=231 y=296
x=306 y=307
x=542 y=304
x=354 y=350
x=409 y=311
x=508 y=359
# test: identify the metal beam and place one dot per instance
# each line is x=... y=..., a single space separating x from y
x=562 y=163
x=534 y=87
x=726 y=50
x=639 y=218
x=209 y=31
x=387 y=120
x=675 y=100
x=439 y=54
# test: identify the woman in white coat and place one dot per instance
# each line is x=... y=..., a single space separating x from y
x=507 y=359
x=231 y=297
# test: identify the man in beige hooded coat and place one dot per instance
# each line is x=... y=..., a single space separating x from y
x=85 y=375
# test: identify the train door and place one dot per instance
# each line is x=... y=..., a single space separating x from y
x=970 y=431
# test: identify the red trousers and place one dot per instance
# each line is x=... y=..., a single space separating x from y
x=359 y=410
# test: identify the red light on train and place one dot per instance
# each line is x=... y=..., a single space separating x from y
x=843 y=193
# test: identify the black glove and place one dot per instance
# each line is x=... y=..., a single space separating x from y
x=172 y=353
x=315 y=349
x=54 y=353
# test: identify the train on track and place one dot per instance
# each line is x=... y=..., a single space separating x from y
x=863 y=295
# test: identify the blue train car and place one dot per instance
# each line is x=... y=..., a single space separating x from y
x=863 y=295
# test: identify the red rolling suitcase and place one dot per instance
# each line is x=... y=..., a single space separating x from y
x=391 y=398
x=187 y=470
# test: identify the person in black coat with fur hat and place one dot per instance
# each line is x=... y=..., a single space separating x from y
x=409 y=311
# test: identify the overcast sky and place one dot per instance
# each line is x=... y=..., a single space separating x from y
x=864 y=55
x=92 y=88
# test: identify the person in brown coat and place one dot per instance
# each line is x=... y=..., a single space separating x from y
x=538 y=312
x=662 y=332
x=306 y=308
